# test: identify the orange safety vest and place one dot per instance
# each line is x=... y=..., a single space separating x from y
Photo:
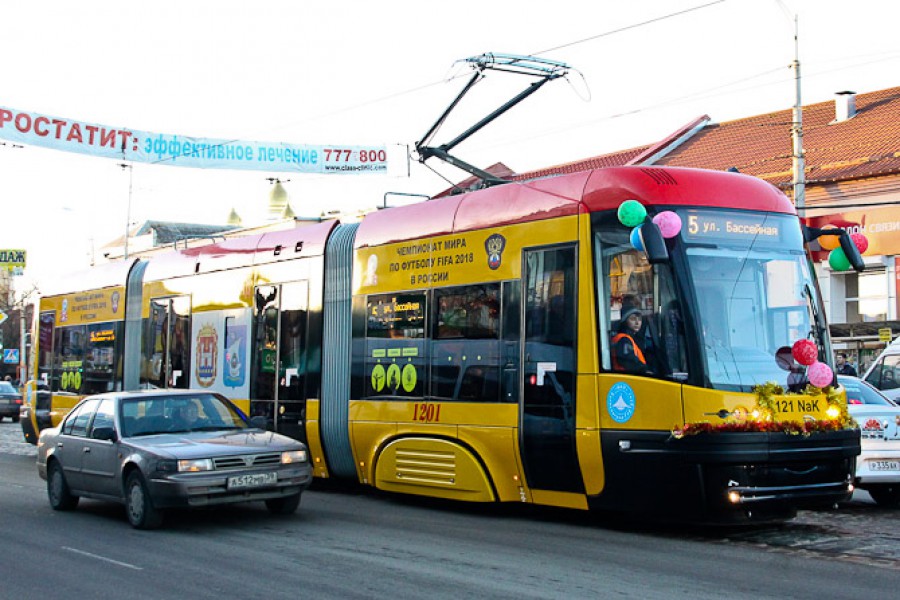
x=637 y=350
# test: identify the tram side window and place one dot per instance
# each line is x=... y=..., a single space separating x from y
x=102 y=363
x=69 y=350
x=465 y=347
x=45 y=346
x=646 y=323
x=395 y=351
x=86 y=359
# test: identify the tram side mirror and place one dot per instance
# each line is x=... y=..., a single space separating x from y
x=852 y=252
x=654 y=244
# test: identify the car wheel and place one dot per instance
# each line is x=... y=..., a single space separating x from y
x=138 y=505
x=286 y=505
x=58 y=490
x=886 y=495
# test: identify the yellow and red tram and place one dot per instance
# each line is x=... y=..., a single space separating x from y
x=462 y=347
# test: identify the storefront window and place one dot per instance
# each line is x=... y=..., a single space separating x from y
x=866 y=295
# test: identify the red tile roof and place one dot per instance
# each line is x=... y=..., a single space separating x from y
x=866 y=145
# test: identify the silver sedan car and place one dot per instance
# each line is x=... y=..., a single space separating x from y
x=160 y=449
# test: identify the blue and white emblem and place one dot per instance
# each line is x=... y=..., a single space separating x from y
x=620 y=402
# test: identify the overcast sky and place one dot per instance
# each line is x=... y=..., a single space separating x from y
x=361 y=72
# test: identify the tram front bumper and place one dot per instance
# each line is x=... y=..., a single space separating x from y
x=726 y=477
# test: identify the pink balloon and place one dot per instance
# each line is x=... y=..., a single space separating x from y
x=805 y=352
x=820 y=374
x=861 y=242
x=669 y=223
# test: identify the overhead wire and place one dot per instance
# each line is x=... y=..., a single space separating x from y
x=629 y=27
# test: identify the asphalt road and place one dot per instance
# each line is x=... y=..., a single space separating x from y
x=353 y=544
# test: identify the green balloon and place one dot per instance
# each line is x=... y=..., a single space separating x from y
x=838 y=260
x=632 y=213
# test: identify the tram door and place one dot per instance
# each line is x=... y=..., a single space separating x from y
x=548 y=397
x=279 y=357
x=167 y=350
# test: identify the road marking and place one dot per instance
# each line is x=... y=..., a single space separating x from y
x=103 y=558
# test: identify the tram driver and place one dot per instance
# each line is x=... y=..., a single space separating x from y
x=628 y=347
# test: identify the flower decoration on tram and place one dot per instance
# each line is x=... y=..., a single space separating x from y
x=636 y=240
x=820 y=374
x=838 y=260
x=669 y=223
x=763 y=418
x=631 y=213
x=860 y=241
x=805 y=352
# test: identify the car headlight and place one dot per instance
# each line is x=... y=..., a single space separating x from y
x=293 y=456
x=195 y=465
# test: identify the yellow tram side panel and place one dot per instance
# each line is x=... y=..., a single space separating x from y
x=490 y=430
x=470 y=452
x=587 y=434
x=454 y=259
x=314 y=438
x=657 y=403
x=587 y=411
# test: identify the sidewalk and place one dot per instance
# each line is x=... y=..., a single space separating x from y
x=12 y=441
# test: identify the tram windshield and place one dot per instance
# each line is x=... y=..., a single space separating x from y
x=754 y=293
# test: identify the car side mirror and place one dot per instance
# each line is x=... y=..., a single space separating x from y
x=104 y=433
x=258 y=421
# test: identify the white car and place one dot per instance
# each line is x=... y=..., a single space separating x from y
x=884 y=373
x=878 y=467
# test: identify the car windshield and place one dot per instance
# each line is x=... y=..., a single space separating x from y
x=860 y=392
x=179 y=414
x=7 y=388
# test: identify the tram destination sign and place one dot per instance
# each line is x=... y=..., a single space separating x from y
x=725 y=227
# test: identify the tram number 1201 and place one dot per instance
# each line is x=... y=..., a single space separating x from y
x=427 y=413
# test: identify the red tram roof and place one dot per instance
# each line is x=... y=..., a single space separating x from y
x=585 y=191
x=232 y=252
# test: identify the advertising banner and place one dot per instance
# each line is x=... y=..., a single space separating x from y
x=71 y=135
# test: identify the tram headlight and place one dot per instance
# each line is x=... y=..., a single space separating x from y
x=833 y=411
x=734 y=497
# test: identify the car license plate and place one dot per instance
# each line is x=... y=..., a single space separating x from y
x=884 y=465
x=252 y=481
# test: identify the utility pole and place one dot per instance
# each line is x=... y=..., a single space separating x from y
x=23 y=357
x=799 y=160
x=128 y=209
